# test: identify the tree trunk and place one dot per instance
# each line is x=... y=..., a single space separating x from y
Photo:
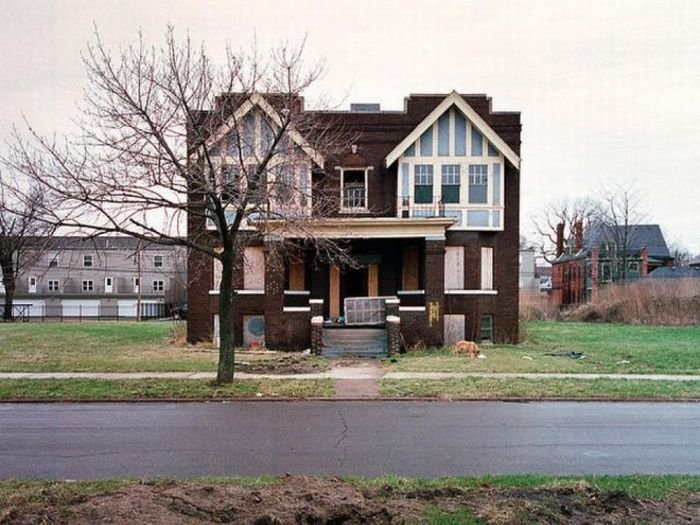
x=8 y=277
x=226 y=339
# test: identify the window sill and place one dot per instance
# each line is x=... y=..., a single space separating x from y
x=471 y=292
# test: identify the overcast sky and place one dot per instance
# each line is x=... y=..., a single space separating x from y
x=609 y=91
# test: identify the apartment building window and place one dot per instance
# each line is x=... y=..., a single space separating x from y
x=478 y=183
x=88 y=286
x=53 y=285
x=354 y=189
x=423 y=183
x=486 y=327
x=136 y=284
x=87 y=261
x=158 y=286
x=157 y=261
x=32 y=285
x=109 y=284
x=53 y=259
x=450 y=183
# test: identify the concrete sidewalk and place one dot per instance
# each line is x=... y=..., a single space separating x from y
x=356 y=372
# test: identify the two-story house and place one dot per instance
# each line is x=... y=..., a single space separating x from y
x=428 y=203
x=103 y=277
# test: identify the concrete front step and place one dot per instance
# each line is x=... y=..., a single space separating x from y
x=360 y=342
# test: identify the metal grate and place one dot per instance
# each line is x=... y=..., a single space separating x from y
x=365 y=310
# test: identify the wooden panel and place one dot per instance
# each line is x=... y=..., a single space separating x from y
x=487 y=268
x=409 y=275
x=454 y=328
x=373 y=280
x=454 y=268
x=334 y=292
x=254 y=268
x=296 y=276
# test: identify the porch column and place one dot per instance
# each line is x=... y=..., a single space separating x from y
x=273 y=301
x=316 y=312
x=434 y=283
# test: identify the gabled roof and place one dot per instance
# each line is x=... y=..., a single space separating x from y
x=676 y=272
x=455 y=99
x=259 y=101
x=647 y=236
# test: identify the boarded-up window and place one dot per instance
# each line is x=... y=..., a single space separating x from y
x=454 y=328
x=487 y=268
x=217 y=274
x=296 y=276
x=254 y=268
x=409 y=274
x=454 y=268
x=373 y=280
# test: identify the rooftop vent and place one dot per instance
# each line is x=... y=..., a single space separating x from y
x=364 y=108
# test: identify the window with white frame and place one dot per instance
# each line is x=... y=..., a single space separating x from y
x=353 y=185
x=88 y=286
x=478 y=184
x=158 y=286
x=53 y=285
x=157 y=261
x=136 y=284
x=87 y=261
x=450 y=183
x=423 y=183
x=32 y=284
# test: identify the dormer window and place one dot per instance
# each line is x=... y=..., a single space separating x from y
x=353 y=184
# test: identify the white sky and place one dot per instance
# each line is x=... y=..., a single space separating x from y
x=608 y=90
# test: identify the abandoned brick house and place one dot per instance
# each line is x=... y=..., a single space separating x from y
x=594 y=257
x=428 y=201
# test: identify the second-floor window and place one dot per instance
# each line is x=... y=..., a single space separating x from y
x=157 y=261
x=423 y=183
x=53 y=285
x=354 y=189
x=158 y=286
x=88 y=286
x=53 y=260
x=478 y=184
x=87 y=261
x=450 y=183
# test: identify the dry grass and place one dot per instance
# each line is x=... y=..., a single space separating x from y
x=652 y=302
x=536 y=306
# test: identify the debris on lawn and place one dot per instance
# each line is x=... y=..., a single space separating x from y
x=527 y=358
x=623 y=362
x=570 y=355
x=481 y=356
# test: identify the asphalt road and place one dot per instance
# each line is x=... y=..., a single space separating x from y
x=90 y=441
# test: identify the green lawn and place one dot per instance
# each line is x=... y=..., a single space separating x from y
x=118 y=347
x=500 y=388
x=132 y=389
x=608 y=348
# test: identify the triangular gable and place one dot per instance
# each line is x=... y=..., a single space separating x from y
x=257 y=100
x=480 y=124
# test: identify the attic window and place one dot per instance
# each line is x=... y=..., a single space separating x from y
x=353 y=185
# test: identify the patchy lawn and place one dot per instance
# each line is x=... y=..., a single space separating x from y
x=127 y=347
x=499 y=388
x=295 y=499
x=132 y=389
x=607 y=348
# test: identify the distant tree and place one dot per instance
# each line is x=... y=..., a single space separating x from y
x=149 y=158
x=23 y=235
x=682 y=256
x=566 y=212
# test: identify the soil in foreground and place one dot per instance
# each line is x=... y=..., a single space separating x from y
x=300 y=500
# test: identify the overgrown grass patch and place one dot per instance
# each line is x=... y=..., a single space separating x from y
x=499 y=387
x=129 y=389
x=607 y=348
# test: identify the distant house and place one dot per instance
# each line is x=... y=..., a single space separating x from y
x=695 y=263
x=528 y=280
x=594 y=258
x=676 y=272
x=103 y=277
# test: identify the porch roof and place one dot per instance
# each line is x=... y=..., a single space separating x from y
x=368 y=227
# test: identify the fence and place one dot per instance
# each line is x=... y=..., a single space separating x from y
x=88 y=312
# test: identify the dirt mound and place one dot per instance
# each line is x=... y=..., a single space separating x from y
x=291 y=364
x=306 y=501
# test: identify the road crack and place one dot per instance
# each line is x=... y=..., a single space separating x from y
x=343 y=438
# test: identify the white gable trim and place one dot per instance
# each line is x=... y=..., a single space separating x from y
x=473 y=116
x=256 y=99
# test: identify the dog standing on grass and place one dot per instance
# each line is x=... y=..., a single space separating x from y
x=469 y=348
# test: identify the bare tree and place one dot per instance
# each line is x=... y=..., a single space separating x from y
x=618 y=219
x=564 y=212
x=166 y=137
x=23 y=235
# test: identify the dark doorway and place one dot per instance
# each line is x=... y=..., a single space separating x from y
x=353 y=284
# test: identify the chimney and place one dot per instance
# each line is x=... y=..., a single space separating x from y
x=578 y=236
x=560 y=239
x=645 y=262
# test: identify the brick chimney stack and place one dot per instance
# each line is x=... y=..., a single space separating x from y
x=645 y=262
x=560 y=239
x=578 y=236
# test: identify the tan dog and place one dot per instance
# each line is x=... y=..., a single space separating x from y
x=469 y=348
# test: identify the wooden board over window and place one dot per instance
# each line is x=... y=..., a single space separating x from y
x=454 y=328
x=334 y=292
x=454 y=268
x=254 y=268
x=409 y=274
x=373 y=280
x=296 y=276
x=486 y=268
